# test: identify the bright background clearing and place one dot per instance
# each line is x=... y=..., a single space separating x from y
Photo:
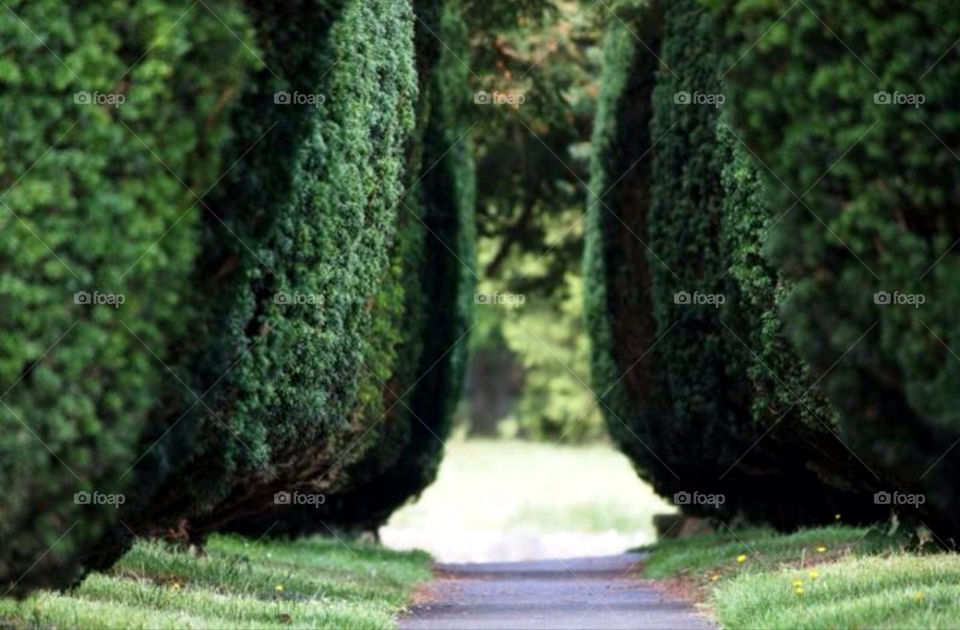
x=512 y=500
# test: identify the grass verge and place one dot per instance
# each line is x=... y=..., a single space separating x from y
x=831 y=577
x=236 y=583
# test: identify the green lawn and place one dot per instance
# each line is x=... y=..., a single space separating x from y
x=314 y=583
x=832 y=577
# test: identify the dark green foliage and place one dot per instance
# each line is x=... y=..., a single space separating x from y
x=702 y=361
x=443 y=271
x=268 y=328
x=877 y=189
x=799 y=454
x=704 y=398
x=423 y=309
x=618 y=299
x=308 y=213
x=90 y=201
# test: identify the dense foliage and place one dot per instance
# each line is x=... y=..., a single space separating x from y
x=618 y=297
x=111 y=118
x=424 y=308
x=698 y=382
x=860 y=132
x=237 y=246
x=298 y=236
x=272 y=314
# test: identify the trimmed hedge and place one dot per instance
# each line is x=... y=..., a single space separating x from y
x=424 y=308
x=443 y=199
x=105 y=106
x=618 y=299
x=877 y=183
x=298 y=240
x=266 y=329
x=702 y=397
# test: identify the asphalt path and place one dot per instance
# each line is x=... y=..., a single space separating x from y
x=581 y=593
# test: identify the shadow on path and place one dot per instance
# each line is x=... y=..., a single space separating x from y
x=594 y=593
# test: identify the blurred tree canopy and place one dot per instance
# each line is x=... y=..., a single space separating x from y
x=529 y=368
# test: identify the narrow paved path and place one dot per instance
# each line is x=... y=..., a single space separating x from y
x=577 y=593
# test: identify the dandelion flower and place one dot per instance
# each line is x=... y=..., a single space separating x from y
x=279 y=588
x=798 y=590
x=798 y=583
x=813 y=573
x=821 y=549
x=742 y=558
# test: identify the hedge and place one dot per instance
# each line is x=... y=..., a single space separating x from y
x=697 y=383
x=109 y=114
x=297 y=239
x=424 y=307
x=618 y=299
x=871 y=228
x=443 y=271
x=282 y=304
x=297 y=245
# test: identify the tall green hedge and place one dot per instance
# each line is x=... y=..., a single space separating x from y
x=702 y=396
x=109 y=113
x=618 y=298
x=308 y=213
x=271 y=314
x=297 y=239
x=865 y=177
x=442 y=271
x=423 y=308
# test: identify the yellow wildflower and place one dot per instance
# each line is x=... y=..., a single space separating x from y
x=813 y=573
x=279 y=588
x=742 y=558
x=821 y=549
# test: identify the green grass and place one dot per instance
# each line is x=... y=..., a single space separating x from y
x=717 y=554
x=315 y=583
x=895 y=591
x=831 y=577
